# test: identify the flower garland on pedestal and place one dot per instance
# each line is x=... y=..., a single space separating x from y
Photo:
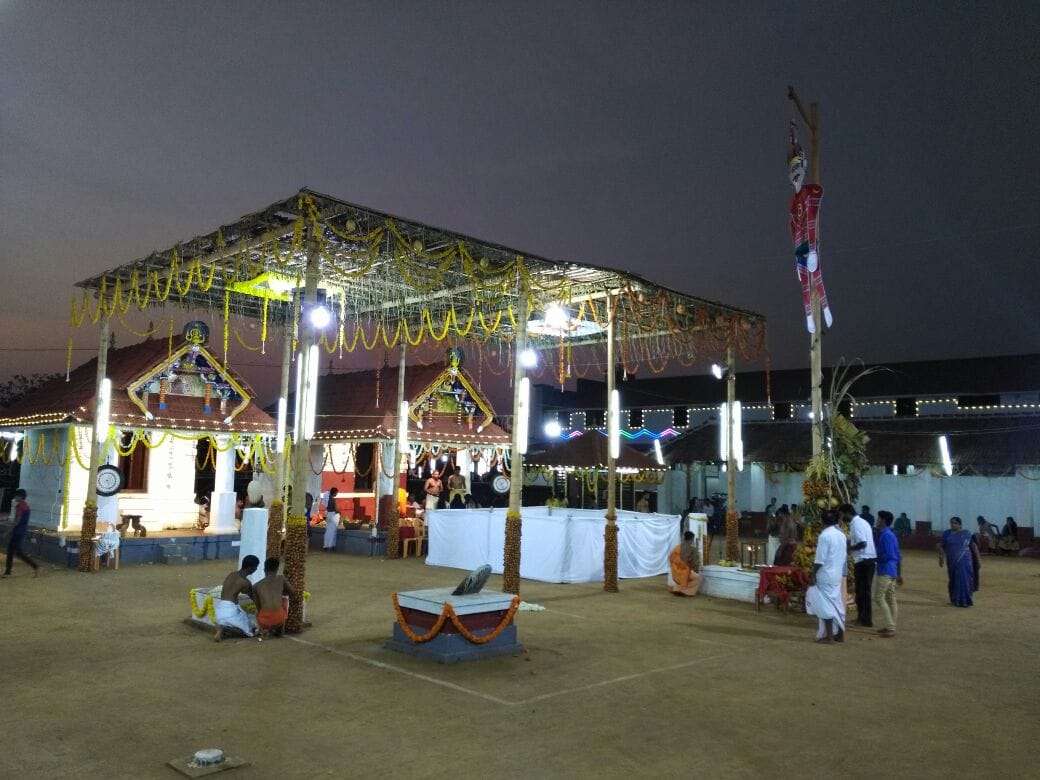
x=295 y=567
x=511 y=554
x=448 y=613
x=86 y=536
x=275 y=521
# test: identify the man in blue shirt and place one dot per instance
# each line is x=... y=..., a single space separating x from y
x=889 y=574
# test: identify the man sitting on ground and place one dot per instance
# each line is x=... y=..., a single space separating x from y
x=685 y=563
x=226 y=611
x=272 y=608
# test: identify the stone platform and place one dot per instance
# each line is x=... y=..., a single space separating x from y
x=727 y=582
x=480 y=613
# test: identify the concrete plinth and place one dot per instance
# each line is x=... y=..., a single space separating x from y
x=480 y=613
x=726 y=582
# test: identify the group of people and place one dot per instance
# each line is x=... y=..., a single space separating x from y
x=269 y=596
x=457 y=496
x=1002 y=541
x=877 y=566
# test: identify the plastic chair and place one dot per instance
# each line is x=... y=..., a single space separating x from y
x=417 y=540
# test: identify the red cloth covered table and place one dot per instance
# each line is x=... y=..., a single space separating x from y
x=779 y=582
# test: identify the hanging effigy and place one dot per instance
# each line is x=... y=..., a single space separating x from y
x=805 y=216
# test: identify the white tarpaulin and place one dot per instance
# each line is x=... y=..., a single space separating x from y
x=556 y=545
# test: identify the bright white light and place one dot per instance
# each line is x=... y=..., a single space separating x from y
x=528 y=358
x=553 y=429
x=944 y=450
x=104 y=406
x=523 y=415
x=402 y=428
x=279 y=442
x=320 y=316
x=716 y=370
x=298 y=406
x=311 y=392
x=657 y=452
x=444 y=458
x=895 y=469
x=556 y=317
x=614 y=424
x=723 y=434
x=738 y=437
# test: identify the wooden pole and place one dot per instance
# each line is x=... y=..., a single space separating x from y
x=812 y=124
x=393 y=531
x=732 y=518
x=296 y=523
x=89 y=523
x=511 y=551
x=610 y=532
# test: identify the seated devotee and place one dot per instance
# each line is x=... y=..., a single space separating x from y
x=902 y=525
x=685 y=563
x=643 y=504
x=271 y=597
x=788 y=541
x=1007 y=542
x=226 y=611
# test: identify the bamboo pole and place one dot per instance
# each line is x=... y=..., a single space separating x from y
x=89 y=524
x=610 y=531
x=511 y=551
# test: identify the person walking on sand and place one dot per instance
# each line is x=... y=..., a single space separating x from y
x=21 y=528
x=889 y=575
x=824 y=596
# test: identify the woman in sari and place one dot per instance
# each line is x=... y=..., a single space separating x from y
x=961 y=556
x=685 y=563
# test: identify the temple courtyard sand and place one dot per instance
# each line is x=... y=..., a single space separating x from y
x=102 y=678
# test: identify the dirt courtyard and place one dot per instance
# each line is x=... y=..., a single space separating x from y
x=102 y=678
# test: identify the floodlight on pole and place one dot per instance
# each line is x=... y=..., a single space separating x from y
x=614 y=424
x=524 y=415
x=311 y=393
x=717 y=371
x=553 y=429
x=320 y=316
x=104 y=406
x=528 y=358
x=556 y=317
x=279 y=443
x=402 y=428
x=944 y=451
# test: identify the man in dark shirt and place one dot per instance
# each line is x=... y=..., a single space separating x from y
x=21 y=528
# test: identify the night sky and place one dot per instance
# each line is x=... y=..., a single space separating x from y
x=649 y=137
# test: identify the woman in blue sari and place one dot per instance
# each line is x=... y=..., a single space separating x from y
x=961 y=556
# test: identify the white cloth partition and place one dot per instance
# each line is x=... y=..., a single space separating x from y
x=556 y=545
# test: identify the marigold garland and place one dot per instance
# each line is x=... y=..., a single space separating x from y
x=448 y=613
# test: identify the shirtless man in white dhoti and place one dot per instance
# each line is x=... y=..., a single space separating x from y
x=824 y=597
x=226 y=611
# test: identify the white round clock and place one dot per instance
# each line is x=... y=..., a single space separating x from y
x=500 y=484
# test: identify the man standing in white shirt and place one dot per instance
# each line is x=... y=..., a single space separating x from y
x=864 y=559
x=824 y=596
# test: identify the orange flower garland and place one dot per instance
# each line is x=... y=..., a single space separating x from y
x=448 y=613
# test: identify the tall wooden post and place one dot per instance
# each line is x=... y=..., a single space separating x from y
x=812 y=124
x=610 y=531
x=276 y=514
x=732 y=517
x=296 y=522
x=89 y=525
x=393 y=530
x=511 y=551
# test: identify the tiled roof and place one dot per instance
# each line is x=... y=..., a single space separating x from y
x=347 y=410
x=58 y=401
x=997 y=440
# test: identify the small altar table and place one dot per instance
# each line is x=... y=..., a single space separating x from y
x=771 y=584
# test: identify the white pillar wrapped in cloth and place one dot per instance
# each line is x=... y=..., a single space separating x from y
x=557 y=545
x=222 y=501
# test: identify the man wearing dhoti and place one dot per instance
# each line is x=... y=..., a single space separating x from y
x=271 y=595
x=685 y=564
x=825 y=597
x=226 y=610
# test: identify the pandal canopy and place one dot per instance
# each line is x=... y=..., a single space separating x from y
x=390 y=279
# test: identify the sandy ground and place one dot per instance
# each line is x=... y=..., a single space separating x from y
x=101 y=678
